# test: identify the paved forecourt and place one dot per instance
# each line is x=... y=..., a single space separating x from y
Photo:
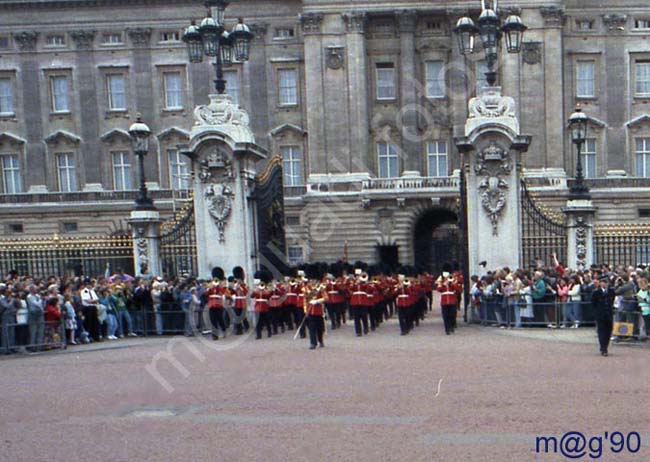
x=478 y=395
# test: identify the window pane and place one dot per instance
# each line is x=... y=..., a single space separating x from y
x=288 y=86
x=385 y=83
x=173 y=90
x=60 y=93
x=292 y=165
x=11 y=174
x=6 y=96
x=178 y=170
x=642 y=78
x=122 y=171
x=232 y=85
x=116 y=92
x=435 y=79
x=387 y=160
x=66 y=172
x=585 y=82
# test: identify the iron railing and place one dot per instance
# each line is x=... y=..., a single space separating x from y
x=89 y=196
x=178 y=244
x=627 y=245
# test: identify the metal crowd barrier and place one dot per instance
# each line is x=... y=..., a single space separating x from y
x=31 y=337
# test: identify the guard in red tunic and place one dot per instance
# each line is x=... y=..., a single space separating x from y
x=314 y=308
x=359 y=301
x=275 y=306
x=404 y=301
x=335 y=302
x=239 y=296
x=448 y=289
x=260 y=297
x=216 y=303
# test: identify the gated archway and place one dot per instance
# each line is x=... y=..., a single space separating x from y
x=436 y=240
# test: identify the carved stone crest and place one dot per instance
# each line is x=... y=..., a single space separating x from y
x=334 y=57
x=83 y=39
x=227 y=116
x=216 y=167
x=492 y=163
x=26 y=40
x=141 y=245
x=531 y=52
x=219 y=202
x=581 y=243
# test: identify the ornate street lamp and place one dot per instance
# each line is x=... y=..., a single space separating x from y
x=140 y=134
x=491 y=31
x=211 y=39
x=578 y=127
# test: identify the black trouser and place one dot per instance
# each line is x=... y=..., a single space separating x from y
x=646 y=322
x=263 y=319
x=216 y=320
x=316 y=325
x=298 y=316
x=405 y=319
x=334 y=313
x=447 y=317
x=240 y=316
x=454 y=319
x=91 y=323
x=605 y=327
x=276 y=319
x=360 y=314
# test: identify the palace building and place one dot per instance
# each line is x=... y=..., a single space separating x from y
x=361 y=99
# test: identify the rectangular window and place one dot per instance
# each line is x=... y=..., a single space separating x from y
x=111 y=39
x=642 y=150
x=56 y=40
x=170 y=36
x=11 y=174
x=385 y=81
x=66 y=172
x=433 y=25
x=288 y=79
x=294 y=254
x=435 y=79
x=283 y=33
x=292 y=165
x=481 y=80
x=387 y=160
x=4 y=42
x=585 y=79
x=173 y=83
x=642 y=23
x=122 y=176
x=116 y=92
x=179 y=173
x=6 y=96
x=59 y=93
x=16 y=228
x=70 y=226
x=589 y=158
x=232 y=85
x=437 y=158
x=584 y=24
x=642 y=78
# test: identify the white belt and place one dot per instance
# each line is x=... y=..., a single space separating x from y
x=261 y=300
x=359 y=293
x=333 y=292
x=448 y=293
x=240 y=297
x=400 y=296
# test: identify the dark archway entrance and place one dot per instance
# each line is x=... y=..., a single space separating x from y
x=436 y=240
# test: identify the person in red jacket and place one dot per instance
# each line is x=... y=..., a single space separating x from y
x=447 y=287
x=52 y=316
x=216 y=302
x=404 y=303
x=314 y=308
x=261 y=296
x=335 y=301
x=360 y=292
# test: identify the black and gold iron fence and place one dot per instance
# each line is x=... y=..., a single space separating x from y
x=627 y=245
x=70 y=256
x=542 y=233
x=178 y=244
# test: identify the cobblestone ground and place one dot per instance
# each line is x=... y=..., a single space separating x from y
x=480 y=395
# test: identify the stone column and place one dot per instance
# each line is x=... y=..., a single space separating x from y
x=35 y=165
x=311 y=27
x=411 y=161
x=554 y=106
x=357 y=69
x=580 y=239
x=145 y=227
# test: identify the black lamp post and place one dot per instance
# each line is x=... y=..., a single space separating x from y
x=491 y=31
x=140 y=133
x=211 y=39
x=578 y=126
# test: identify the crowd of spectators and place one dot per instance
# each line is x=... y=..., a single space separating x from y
x=558 y=297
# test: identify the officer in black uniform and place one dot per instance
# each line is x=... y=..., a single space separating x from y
x=602 y=301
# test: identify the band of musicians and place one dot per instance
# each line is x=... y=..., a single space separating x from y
x=310 y=301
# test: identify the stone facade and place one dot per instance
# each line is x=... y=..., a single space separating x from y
x=328 y=84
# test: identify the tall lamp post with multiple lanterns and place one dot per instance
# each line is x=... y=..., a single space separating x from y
x=491 y=31
x=210 y=38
